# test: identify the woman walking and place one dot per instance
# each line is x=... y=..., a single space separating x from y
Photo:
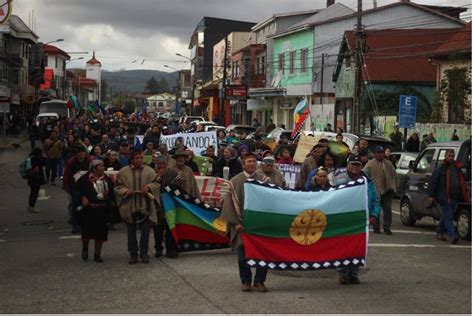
x=36 y=178
x=95 y=197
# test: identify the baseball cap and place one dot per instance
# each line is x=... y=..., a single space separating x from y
x=378 y=149
x=355 y=160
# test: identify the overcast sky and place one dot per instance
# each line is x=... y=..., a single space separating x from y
x=124 y=31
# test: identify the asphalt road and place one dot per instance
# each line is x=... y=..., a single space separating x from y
x=41 y=270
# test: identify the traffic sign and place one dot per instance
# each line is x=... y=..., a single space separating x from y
x=407 y=111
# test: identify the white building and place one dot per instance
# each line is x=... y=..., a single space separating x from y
x=93 y=71
x=55 y=61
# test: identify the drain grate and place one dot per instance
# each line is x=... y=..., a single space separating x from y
x=38 y=223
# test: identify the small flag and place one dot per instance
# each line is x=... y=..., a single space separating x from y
x=300 y=114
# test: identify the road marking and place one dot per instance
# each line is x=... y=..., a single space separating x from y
x=70 y=237
x=416 y=246
x=396 y=212
x=3 y=240
x=413 y=232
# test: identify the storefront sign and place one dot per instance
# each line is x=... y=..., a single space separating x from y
x=236 y=92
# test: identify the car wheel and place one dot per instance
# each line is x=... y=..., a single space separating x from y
x=407 y=215
x=464 y=224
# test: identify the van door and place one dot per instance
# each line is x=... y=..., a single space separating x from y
x=418 y=184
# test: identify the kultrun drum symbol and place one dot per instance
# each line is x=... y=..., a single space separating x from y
x=308 y=227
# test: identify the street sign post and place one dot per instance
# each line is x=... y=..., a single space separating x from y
x=407 y=111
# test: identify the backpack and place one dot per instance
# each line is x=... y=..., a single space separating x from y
x=25 y=167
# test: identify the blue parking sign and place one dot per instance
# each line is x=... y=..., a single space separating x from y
x=407 y=111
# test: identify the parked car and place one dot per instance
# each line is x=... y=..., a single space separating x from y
x=48 y=116
x=375 y=141
x=240 y=129
x=210 y=126
x=189 y=119
x=401 y=162
x=414 y=202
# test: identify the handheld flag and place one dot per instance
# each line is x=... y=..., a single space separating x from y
x=300 y=115
x=311 y=230
x=193 y=224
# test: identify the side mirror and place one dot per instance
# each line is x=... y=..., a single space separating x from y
x=411 y=165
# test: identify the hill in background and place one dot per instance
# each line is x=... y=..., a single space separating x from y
x=126 y=81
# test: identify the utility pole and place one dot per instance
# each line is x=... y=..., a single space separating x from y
x=322 y=82
x=358 y=69
x=224 y=79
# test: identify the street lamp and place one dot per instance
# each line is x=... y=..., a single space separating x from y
x=178 y=54
x=55 y=41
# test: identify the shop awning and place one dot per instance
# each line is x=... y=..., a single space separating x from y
x=267 y=92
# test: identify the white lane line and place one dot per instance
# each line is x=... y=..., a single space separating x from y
x=412 y=232
x=70 y=237
x=416 y=246
x=396 y=212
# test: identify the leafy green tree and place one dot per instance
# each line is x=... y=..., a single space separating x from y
x=152 y=86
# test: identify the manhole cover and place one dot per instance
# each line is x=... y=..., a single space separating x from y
x=37 y=223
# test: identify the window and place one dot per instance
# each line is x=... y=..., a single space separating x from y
x=281 y=62
x=262 y=66
x=423 y=165
x=405 y=164
x=292 y=61
x=348 y=61
x=56 y=62
x=304 y=59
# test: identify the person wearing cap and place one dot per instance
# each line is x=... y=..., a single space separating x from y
x=228 y=159
x=243 y=150
x=232 y=212
x=353 y=172
x=167 y=176
x=267 y=169
x=220 y=151
x=384 y=175
x=124 y=154
x=137 y=191
x=74 y=167
x=190 y=183
x=95 y=196
x=310 y=163
x=397 y=138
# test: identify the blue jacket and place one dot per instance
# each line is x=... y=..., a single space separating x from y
x=342 y=177
x=439 y=185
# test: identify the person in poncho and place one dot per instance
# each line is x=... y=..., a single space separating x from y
x=232 y=212
x=138 y=196
x=190 y=184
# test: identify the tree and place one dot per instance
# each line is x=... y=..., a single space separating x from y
x=163 y=85
x=152 y=86
x=455 y=91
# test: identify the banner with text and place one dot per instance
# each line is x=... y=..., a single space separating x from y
x=197 y=142
x=291 y=174
x=211 y=190
x=305 y=145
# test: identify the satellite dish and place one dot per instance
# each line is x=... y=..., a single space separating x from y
x=276 y=80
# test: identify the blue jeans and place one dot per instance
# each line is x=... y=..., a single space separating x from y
x=60 y=167
x=446 y=225
x=245 y=272
x=144 y=237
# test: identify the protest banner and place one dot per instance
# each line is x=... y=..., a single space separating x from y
x=291 y=174
x=211 y=190
x=305 y=145
x=197 y=142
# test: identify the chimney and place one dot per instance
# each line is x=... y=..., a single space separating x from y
x=330 y=2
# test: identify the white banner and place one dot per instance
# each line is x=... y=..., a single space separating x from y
x=197 y=142
x=291 y=173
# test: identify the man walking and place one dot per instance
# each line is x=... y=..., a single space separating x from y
x=138 y=194
x=52 y=148
x=448 y=187
x=232 y=213
x=383 y=173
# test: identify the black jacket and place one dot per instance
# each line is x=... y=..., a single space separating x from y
x=235 y=167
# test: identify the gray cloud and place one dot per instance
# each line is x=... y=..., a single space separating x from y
x=125 y=30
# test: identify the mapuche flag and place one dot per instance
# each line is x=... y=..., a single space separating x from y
x=194 y=225
x=294 y=230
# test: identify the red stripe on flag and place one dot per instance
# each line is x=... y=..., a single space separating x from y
x=287 y=250
x=189 y=232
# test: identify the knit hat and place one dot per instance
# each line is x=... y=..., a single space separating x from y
x=95 y=163
x=243 y=147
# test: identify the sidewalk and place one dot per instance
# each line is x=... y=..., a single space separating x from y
x=6 y=142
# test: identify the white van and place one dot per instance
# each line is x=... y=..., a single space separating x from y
x=48 y=116
x=55 y=106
